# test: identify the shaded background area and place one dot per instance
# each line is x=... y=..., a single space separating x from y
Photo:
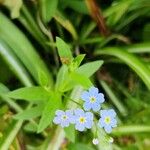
x=116 y=31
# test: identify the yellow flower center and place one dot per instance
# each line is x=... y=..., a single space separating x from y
x=92 y=99
x=64 y=117
x=107 y=120
x=82 y=120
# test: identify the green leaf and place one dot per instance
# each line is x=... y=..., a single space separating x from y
x=61 y=77
x=70 y=133
x=14 y=7
x=77 y=5
x=79 y=146
x=78 y=59
x=30 y=113
x=43 y=78
x=89 y=69
x=81 y=79
x=30 y=127
x=48 y=114
x=114 y=98
x=48 y=9
x=128 y=129
x=63 y=51
x=60 y=18
x=9 y=134
x=22 y=47
x=31 y=94
x=15 y=65
x=131 y=60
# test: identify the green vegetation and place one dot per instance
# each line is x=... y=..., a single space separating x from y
x=51 y=50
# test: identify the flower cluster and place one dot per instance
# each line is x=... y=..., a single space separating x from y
x=84 y=118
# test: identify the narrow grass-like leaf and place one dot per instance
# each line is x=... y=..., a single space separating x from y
x=15 y=64
x=48 y=9
x=21 y=47
x=114 y=98
x=129 y=129
x=131 y=60
x=66 y=24
x=139 y=48
x=10 y=134
x=77 y=5
x=31 y=94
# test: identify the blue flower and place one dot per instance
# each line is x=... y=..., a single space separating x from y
x=83 y=120
x=93 y=99
x=64 y=118
x=107 y=120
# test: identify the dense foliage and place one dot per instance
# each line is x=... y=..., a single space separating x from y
x=53 y=50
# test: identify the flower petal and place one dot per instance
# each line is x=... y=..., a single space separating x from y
x=85 y=96
x=93 y=90
x=89 y=124
x=57 y=120
x=101 y=123
x=87 y=106
x=89 y=115
x=112 y=113
x=108 y=128
x=60 y=113
x=95 y=107
x=79 y=127
x=100 y=97
x=113 y=122
x=64 y=123
x=79 y=112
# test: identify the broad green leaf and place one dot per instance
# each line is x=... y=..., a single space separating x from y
x=30 y=113
x=14 y=6
x=89 y=69
x=43 y=78
x=20 y=45
x=80 y=146
x=61 y=77
x=48 y=9
x=70 y=133
x=48 y=114
x=31 y=94
x=9 y=134
x=132 y=61
x=81 y=79
x=62 y=20
x=77 y=60
x=30 y=127
x=63 y=51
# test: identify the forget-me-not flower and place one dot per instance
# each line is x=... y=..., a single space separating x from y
x=64 y=118
x=92 y=99
x=107 y=120
x=83 y=120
